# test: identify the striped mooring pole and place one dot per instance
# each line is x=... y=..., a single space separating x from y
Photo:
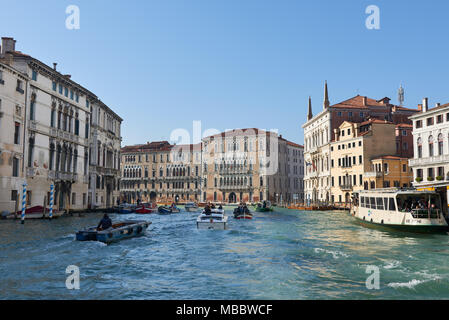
x=52 y=187
x=24 y=202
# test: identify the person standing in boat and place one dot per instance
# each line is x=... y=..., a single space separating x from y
x=105 y=223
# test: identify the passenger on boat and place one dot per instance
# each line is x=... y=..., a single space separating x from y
x=207 y=210
x=264 y=204
x=212 y=206
x=220 y=207
x=105 y=223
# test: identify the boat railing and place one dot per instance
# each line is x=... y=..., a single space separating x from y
x=426 y=213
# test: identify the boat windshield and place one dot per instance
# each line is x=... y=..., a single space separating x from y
x=419 y=205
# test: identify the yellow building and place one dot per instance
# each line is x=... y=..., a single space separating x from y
x=159 y=170
x=354 y=147
x=387 y=172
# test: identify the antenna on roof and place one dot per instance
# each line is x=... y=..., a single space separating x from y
x=401 y=96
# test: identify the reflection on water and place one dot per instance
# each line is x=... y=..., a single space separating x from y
x=284 y=254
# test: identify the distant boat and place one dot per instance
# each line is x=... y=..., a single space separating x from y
x=146 y=208
x=36 y=212
x=215 y=220
x=118 y=231
x=191 y=207
x=168 y=210
x=126 y=208
x=264 y=207
x=242 y=215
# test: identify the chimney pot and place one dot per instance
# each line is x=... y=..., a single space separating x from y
x=364 y=101
x=425 y=104
x=8 y=44
x=437 y=104
x=54 y=65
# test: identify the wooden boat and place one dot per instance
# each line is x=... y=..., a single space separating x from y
x=215 y=220
x=264 y=207
x=168 y=210
x=245 y=215
x=36 y=212
x=118 y=231
x=126 y=208
x=146 y=208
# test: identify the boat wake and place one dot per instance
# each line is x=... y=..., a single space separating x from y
x=415 y=282
x=335 y=254
x=392 y=264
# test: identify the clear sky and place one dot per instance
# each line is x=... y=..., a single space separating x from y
x=236 y=63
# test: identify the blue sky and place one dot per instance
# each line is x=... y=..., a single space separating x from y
x=234 y=64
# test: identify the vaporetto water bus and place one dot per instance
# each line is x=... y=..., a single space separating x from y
x=400 y=209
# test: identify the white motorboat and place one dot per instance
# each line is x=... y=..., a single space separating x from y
x=400 y=209
x=191 y=207
x=216 y=220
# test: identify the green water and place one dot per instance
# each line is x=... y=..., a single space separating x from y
x=285 y=254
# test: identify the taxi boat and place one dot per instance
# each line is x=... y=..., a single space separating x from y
x=215 y=220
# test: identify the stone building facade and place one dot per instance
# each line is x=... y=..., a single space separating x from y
x=430 y=164
x=53 y=120
x=104 y=162
x=12 y=133
x=361 y=160
x=247 y=165
x=161 y=171
x=319 y=133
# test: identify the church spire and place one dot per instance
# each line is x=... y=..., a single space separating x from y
x=401 y=95
x=326 y=97
x=310 y=114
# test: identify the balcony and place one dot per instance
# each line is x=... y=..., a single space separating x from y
x=235 y=188
x=65 y=176
x=373 y=174
x=435 y=160
x=346 y=187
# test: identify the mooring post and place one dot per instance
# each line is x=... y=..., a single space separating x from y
x=52 y=187
x=16 y=207
x=24 y=202
x=44 y=207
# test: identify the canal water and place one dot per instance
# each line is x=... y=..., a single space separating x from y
x=285 y=254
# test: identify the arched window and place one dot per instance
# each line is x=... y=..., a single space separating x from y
x=419 y=145
x=440 y=144
x=431 y=146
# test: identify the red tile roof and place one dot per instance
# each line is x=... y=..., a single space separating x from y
x=357 y=103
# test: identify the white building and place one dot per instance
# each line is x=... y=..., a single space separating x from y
x=295 y=173
x=317 y=133
x=12 y=119
x=430 y=164
x=104 y=165
x=54 y=131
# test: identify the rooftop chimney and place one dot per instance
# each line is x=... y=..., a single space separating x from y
x=420 y=107
x=437 y=105
x=54 y=65
x=364 y=101
x=425 y=104
x=8 y=44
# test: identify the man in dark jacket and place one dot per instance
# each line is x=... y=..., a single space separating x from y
x=105 y=223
